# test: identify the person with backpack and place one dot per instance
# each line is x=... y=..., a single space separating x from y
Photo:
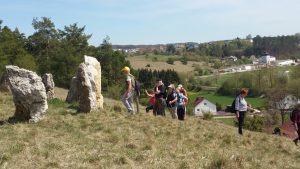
x=160 y=95
x=184 y=92
x=127 y=97
x=151 y=100
x=181 y=105
x=172 y=101
x=241 y=108
x=295 y=118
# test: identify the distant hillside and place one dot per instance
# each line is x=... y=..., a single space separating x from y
x=111 y=139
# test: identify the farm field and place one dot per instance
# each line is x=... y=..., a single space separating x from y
x=140 y=62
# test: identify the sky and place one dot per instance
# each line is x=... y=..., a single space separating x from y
x=159 y=21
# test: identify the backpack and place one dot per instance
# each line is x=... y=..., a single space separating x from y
x=232 y=108
x=136 y=85
x=292 y=115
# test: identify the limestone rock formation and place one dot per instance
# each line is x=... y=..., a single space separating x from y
x=72 y=93
x=86 y=86
x=29 y=93
x=49 y=85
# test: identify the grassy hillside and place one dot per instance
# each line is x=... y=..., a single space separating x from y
x=111 y=139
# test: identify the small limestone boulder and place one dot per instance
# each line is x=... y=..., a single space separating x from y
x=29 y=93
x=72 y=93
x=49 y=85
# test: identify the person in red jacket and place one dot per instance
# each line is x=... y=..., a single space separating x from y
x=150 y=94
x=297 y=123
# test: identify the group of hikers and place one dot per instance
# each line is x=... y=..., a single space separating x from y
x=161 y=97
x=175 y=99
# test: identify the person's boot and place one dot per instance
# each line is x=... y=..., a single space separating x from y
x=296 y=141
x=147 y=110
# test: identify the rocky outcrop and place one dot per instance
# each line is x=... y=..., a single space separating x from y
x=72 y=93
x=29 y=93
x=49 y=85
x=4 y=86
x=88 y=86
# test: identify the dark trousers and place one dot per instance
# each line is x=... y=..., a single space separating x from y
x=298 y=124
x=241 y=121
x=149 y=108
x=181 y=112
x=159 y=107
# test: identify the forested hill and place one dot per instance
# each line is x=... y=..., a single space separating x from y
x=283 y=47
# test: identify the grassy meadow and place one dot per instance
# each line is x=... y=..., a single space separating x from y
x=112 y=139
x=225 y=100
x=141 y=61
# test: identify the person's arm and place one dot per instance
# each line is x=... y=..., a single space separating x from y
x=156 y=90
x=296 y=118
x=173 y=101
x=148 y=93
x=129 y=86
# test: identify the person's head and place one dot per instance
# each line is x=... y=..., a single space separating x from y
x=180 y=86
x=125 y=70
x=151 y=91
x=298 y=106
x=171 y=88
x=158 y=82
x=244 y=92
x=178 y=90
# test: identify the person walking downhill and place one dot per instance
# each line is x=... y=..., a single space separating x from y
x=241 y=109
x=296 y=122
x=127 y=97
x=172 y=101
x=181 y=106
x=151 y=100
x=160 y=95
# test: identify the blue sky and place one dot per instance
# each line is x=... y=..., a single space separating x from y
x=159 y=21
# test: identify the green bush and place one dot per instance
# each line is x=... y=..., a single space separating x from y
x=219 y=106
x=255 y=123
x=170 y=61
x=208 y=116
x=114 y=92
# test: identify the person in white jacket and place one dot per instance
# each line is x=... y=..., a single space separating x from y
x=241 y=107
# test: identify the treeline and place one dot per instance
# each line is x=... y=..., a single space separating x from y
x=148 y=77
x=267 y=81
x=283 y=47
x=58 y=51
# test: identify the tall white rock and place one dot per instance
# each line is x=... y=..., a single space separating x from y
x=94 y=73
x=88 y=86
x=49 y=85
x=29 y=93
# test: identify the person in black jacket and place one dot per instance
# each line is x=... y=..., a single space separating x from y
x=160 y=95
x=172 y=101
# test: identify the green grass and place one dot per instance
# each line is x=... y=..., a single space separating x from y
x=225 y=100
x=228 y=121
x=111 y=139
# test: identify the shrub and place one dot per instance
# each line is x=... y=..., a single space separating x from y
x=255 y=123
x=154 y=59
x=219 y=106
x=208 y=116
x=114 y=92
x=170 y=61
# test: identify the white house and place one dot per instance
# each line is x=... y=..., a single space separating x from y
x=289 y=102
x=247 y=67
x=266 y=59
x=285 y=62
x=201 y=106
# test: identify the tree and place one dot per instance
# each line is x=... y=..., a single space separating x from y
x=170 y=61
x=170 y=49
